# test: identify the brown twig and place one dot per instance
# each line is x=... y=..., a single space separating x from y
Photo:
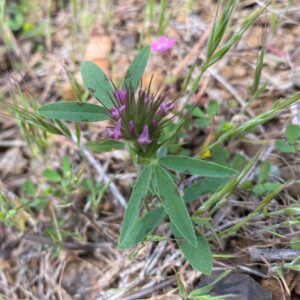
x=150 y=290
x=67 y=245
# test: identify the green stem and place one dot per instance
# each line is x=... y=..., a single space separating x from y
x=263 y=204
x=220 y=197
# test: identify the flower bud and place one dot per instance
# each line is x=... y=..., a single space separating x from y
x=144 y=138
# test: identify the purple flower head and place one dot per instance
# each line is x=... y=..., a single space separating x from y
x=162 y=45
x=116 y=133
x=141 y=120
x=144 y=138
x=115 y=112
x=166 y=107
x=121 y=95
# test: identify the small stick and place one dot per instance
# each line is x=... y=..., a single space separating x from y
x=252 y=271
x=148 y=291
x=259 y=255
x=67 y=245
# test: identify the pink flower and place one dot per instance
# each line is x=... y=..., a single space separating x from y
x=115 y=112
x=116 y=133
x=162 y=45
x=165 y=107
x=144 y=138
x=121 y=95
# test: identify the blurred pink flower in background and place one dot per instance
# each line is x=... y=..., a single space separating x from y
x=162 y=45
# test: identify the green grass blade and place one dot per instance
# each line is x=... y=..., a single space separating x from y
x=221 y=195
x=219 y=27
x=206 y=289
x=262 y=205
x=248 y=21
x=163 y=19
x=277 y=108
x=258 y=70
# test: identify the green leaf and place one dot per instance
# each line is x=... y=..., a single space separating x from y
x=212 y=108
x=295 y=243
x=136 y=69
x=95 y=79
x=196 y=166
x=133 y=209
x=66 y=166
x=264 y=188
x=265 y=169
x=199 y=256
x=74 y=111
x=197 y=112
x=220 y=156
x=238 y=162
x=30 y=188
x=284 y=147
x=39 y=203
x=143 y=226
x=292 y=133
x=105 y=145
x=206 y=289
x=52 y=175
x=152 y=219
x=203 y=123
x=202 y=187
x=174 y=205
